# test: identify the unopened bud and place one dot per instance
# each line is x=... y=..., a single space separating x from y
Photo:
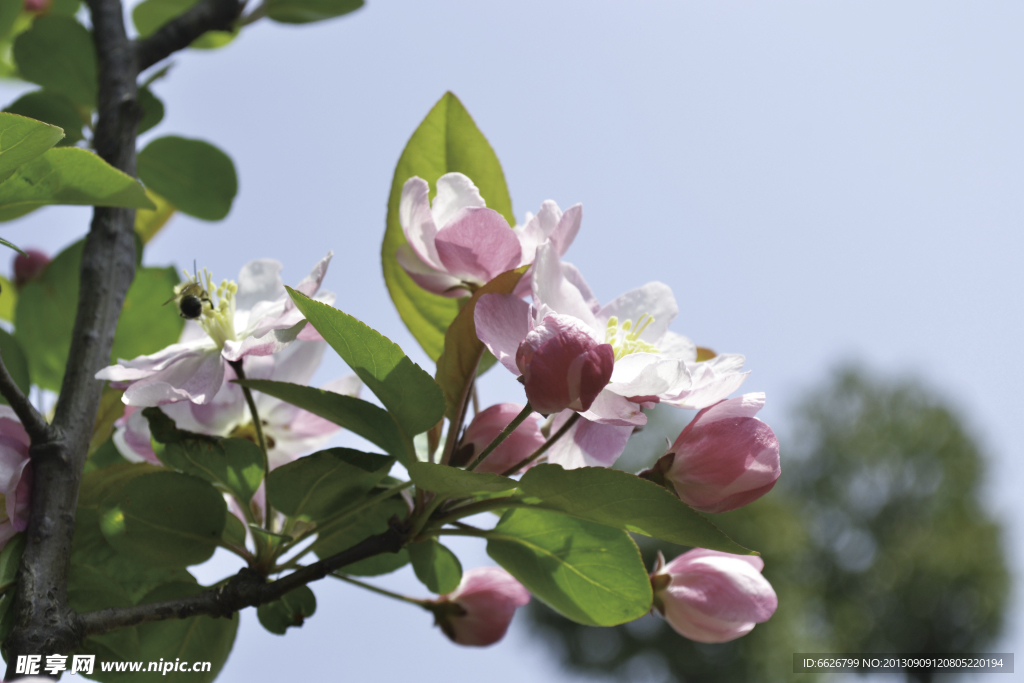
x=29 y=266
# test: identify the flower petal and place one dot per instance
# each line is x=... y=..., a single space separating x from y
x=655 y=299
x=478 y=245
x=568 y=225
x=454 y=193
x=417 y=221
x=587 y=444
x=502 y=322
x=553 y=289
x=259 y=281
x=435 y=281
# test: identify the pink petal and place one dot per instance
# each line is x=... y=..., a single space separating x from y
x=552 y=288
x=568 y=226
x=502 y=322
x=417 y=221
x=486 y=426
x=587 y=444
x=435 y=281
x=478 y=245
x=454 y=193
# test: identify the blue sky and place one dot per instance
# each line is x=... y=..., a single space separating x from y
x=816 y=181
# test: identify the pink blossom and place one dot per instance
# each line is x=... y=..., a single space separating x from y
x=288 y=430
x=37 y=5
x=253 y=317
x=563 y=365
x=713 y=597
x=487 y=424
x=457 y=244
x=480 y=610
x=15 y=475
x=725 y=458
x=29 y=266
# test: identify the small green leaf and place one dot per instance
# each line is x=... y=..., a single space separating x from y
x=16 y=363
x=625 y=501
x=58 y=54
x=52 y=108
x=356 y=415
x=195 y=176
x=10 y=560
x=164 y=518
x=150 y=15
x=291 y=610
x=45 y=316
x=23 y=138
x=588 y=572
x=409 y=393
x=236 y=465
x=306 y=11
x=452 y=481
x=324 y=483
x=68 y=175
x=458 y=363
x=234 y=531
x=152 y=110
x=436 y=566
x=267 y=539
x=447 y=140
x=196 y=639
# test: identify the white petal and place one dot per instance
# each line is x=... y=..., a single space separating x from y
x=568 y=225
x=655 y=299
x=259 y=281
x=417 y=221
x=551 y=288
x=611 y=409
x=747 y=405
x=646 y=374
x=587 y=444
x=502 y=322
x=538 y=229
x=454 y=193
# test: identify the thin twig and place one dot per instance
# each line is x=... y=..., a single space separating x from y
x=35 y=424
x=544 y=448
x=178 y=33
x=268 y=512
x=504 y=434
x=379 y=591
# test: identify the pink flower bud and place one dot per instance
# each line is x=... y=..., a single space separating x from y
x=15 y=476
x=524 y=440
x=563 y=365
x=28 y=268
x=725 y=458
x=37 y=5
x=713 y=597
x=479 y=611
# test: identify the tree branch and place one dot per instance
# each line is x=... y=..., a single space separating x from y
x=178 y=33
x=43 y=621
x=35 y=424
x=245 y=589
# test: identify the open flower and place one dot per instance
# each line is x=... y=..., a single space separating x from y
x=289 y=431
x=15 y=476
x=253 y=317
x=651 y=364
x=457 y=244
x=712 y=597
x=725 y=458
x=480 y=610
x=486 y=425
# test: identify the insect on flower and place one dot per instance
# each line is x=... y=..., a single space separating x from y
x=190 y=296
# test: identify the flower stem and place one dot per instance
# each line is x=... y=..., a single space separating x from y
x=381 y=591
x=543 y=449
x=518 y=420
x=268 y=513
x=476 y=508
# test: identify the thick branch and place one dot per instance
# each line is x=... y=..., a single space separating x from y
x=178 y=33
x=44 y=624
x=245 y=589
x=34 y=423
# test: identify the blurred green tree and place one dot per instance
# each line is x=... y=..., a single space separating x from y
x=874 y=539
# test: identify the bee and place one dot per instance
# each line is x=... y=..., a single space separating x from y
x=190 y=297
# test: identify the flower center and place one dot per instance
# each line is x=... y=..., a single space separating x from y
x=248 y=431
x=218 y=321
x=625 y=338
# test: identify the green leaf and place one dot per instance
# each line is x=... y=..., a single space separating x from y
x=52 y=108
x=23 y=138
x=9 y=13
x=58 y=54
x=150 y=15
x=624 y=501
x=10 y=560
x=356 y=415
x=164 y=518
x=234 y=531
x=68 y=175
x=588 y=572
x=324 y=483
x=8 y=299
x=306 y=11
x=446 y=141
x=149 y=222
x=458 y=363
x=267 y=539
x=196 y=639
x=345 y=532
x=409 y=393
x=14 y=359
x=436 y=566
x=146 y=325
x=152 y=110
x=452 y=481
x=195 y=176
x=45 y=316
x=236 y=465
x=291 y=610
